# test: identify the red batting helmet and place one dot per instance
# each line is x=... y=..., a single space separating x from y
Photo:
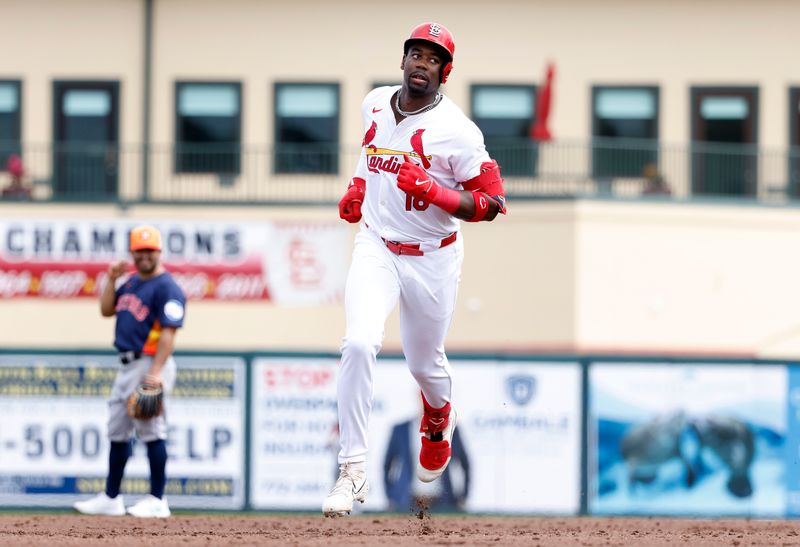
x=436 y=34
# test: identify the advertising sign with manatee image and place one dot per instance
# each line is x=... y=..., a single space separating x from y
x=687 y=439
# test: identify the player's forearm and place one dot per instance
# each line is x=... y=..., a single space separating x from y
x=471 y=204
x=466 y=207
x=108 y=299
x=165 y=347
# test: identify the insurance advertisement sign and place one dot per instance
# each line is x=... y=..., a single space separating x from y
x=516 y=449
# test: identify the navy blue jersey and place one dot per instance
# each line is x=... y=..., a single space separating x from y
x=143 y=307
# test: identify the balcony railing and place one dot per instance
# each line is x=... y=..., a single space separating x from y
x=317 y=174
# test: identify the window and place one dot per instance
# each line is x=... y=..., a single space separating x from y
x=624 y=130
x=208 y=127
x=86 y=137
x=10 y=120
x=724 y=140
x=306 y=128
x=504 y=113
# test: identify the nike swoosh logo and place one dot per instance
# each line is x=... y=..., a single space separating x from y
x=359 y=488
x=420 y=183
x=376 y=110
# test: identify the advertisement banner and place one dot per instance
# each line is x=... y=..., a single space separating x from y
x=516 y=449
x=287 y=263
x=687 y=439
x=294 y=433
x=522 y=425
x=53 y=442
x=793 y=443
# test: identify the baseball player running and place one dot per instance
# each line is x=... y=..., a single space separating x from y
x=149 y=307
x=423 y=167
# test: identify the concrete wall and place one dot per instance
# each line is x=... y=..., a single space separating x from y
x=47 y=40
x=673 y=44
x=698 y=279
x=491 y=313
x=585 y=276
x=557 y=275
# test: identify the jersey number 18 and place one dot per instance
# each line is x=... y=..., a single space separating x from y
x=417 y=204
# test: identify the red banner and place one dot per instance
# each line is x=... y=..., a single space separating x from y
x=76 y=279
x=294 y=264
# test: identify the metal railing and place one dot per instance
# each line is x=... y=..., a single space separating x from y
x=317 y=174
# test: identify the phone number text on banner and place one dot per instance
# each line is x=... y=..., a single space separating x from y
x=54 y=446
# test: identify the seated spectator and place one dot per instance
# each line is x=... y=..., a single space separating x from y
x=654 y=182
x=16 y=189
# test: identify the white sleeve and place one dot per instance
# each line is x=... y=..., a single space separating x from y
x=361 y=168
x=469 y=152
x=366 y=121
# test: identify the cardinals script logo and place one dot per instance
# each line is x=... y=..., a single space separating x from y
x=389 y=160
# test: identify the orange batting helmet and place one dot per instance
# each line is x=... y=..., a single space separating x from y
x=145 y=238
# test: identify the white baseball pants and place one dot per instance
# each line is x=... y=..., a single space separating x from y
x=426 y=288
x=120 y=425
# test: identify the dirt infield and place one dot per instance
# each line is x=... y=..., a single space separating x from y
x=368 y=530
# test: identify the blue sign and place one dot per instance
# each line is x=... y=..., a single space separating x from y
x=693 y=439
x=793 y=443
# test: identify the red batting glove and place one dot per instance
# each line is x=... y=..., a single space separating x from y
x=350 y=204
x=413 y=180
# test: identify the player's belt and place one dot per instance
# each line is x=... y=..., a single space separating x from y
x=126 y=357
x=413 y=249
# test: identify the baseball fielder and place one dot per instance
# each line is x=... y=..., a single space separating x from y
x=423 y=167
x=149 y=307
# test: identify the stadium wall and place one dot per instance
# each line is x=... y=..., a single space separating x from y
x=620 y=42
x=552 y=276
x=565 y=435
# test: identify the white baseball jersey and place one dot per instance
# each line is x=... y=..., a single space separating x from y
x=449 y=147
x=447 y=144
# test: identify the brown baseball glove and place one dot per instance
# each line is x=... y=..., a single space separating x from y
x=146 y=402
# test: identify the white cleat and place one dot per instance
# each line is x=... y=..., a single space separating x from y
x=101 y=504
x=150 y=507
x=351 y=485
x=436 y=454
